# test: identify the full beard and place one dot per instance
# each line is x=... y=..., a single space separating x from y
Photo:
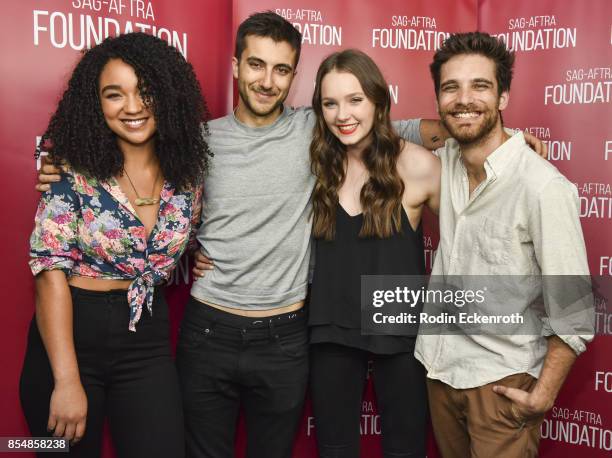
x=473 y=134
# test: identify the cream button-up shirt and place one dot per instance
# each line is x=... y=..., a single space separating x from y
x=522 y=220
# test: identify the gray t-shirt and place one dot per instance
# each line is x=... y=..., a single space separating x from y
x=256 y=215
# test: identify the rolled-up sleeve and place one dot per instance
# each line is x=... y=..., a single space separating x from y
x=561 y=254
x=54 y=240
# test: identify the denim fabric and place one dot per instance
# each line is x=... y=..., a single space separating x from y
x=338 y=377
x=227 y=361
x=128 y=377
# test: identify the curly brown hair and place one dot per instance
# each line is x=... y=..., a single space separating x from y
x=77 y=133
x=381 y=195
x=475 y=43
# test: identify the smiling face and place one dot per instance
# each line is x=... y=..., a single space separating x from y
x=468 y=99
x=264 y=73
x=124 y=111
x=348 y=113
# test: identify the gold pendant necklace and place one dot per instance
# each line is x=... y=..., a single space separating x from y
x=142 y=201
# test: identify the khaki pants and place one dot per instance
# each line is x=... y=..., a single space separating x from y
x=479 y=423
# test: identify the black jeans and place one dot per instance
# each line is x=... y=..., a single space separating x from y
x=128 y=377
x=226 y=361
x=338 y=375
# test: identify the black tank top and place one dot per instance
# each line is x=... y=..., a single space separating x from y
x=335 y=299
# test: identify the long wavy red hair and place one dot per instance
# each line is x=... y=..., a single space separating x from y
x=381 y=195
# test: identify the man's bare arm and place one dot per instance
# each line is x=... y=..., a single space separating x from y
x=434 y=134
x=558 y=361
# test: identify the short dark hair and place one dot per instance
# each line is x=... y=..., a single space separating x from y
x=271 y=25
x=475 y=43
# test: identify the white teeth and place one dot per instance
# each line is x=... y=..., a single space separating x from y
x=135 y=122
x=465 y=115
x=344 y=129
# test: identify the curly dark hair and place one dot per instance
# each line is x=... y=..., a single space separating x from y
x=381 y=195
x=78 y=134
x=475 y=43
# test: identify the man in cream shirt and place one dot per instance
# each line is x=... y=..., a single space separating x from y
x=503 y=211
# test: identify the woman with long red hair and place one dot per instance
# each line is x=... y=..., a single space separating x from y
x=367 y=206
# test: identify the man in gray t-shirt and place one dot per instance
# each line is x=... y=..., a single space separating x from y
x=256 y=214
x=244 y=337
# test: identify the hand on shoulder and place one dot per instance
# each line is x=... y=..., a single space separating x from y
x=47 y=174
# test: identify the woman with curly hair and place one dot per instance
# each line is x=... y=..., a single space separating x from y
x=367 y=203
x=106 y=236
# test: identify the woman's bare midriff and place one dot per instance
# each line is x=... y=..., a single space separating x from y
x=98 y=284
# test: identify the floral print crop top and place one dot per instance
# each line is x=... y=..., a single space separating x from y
x=89 y=228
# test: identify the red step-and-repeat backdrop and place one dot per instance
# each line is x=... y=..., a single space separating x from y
x=561 y=93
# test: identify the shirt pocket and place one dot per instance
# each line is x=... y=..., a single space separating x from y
x=494 y=242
